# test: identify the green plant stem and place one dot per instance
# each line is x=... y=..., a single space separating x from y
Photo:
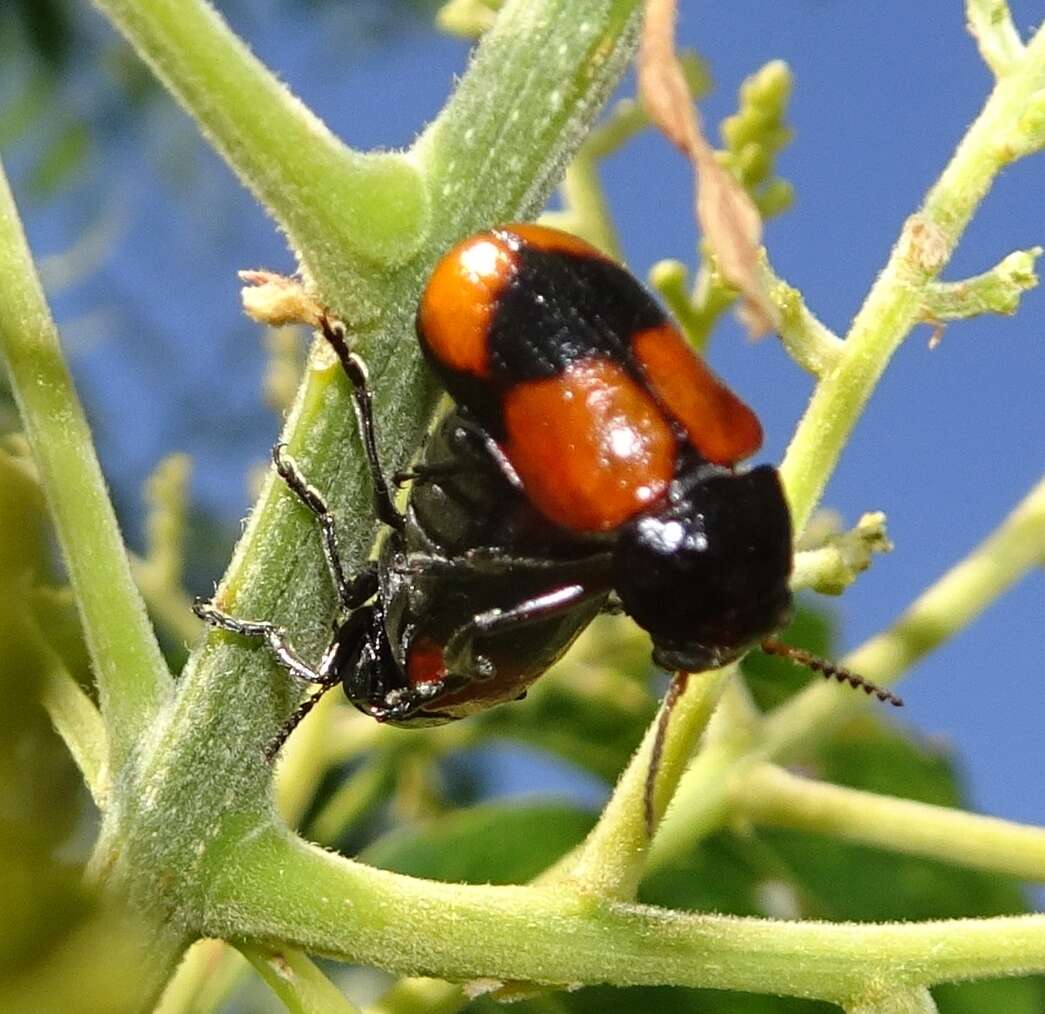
x=947 y=607
x=297 y=981
x=774 y=797
x=901 y=1001
x=833 y=566
x=206 y=976
x=420 y=996
x=78 y=722
x=995 y=291
x=353 y=798
x=344 y=212
x=611 y=861
x=327 y=904
x=168 y=604
x=990 y=22
x=894 y=303
x=132 y=677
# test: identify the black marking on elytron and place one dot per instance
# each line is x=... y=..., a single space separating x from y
x=560 y=308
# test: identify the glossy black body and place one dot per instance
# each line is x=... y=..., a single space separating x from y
x=471 y=546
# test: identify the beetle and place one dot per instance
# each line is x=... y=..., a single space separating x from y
x=590 y=463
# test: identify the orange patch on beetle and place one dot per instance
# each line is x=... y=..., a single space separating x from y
x=460 y=300
x=424 y=662
x=719 y=425
x=591 y=446
x=541 y=237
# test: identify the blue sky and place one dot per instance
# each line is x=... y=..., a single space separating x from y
x=953 y=438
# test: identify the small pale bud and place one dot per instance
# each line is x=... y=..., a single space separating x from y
x=276 y=300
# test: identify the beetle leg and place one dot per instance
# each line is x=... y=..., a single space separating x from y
x=275 y=636
x=493 y=561
x=363 y=400
x=495 y=621
x=352 y=593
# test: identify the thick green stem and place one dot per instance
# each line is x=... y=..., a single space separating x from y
x=132 y=677
x=346 y=214
x=774 y=797
x=293 y=892
x=894 y=1001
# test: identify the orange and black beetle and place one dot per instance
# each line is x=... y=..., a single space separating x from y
x=589 y=464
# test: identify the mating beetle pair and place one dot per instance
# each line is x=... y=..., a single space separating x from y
x=589 y=465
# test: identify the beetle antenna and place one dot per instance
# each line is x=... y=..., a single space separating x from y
x=771 y=646
x=671 y=698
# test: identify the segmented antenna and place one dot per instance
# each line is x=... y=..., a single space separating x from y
x=771 y=646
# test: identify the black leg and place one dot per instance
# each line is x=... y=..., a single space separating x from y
x=362 y=397
x=277 y=640
x=676 y=689
x=422 y=473
x=496 y=621
x=352 y=593
x=493 y=561
x=325 y=676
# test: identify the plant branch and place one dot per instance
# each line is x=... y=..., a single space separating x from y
x=611 y=861
x=774 y=797
x=132 y=677
x=286 y=890
x=990 y=22
x=348 y=215
x=996 y=291
x=810 y=343
x=78 y=722
x=297 y=980
x=894 y=304
x=833 y=566
x=916 y=1000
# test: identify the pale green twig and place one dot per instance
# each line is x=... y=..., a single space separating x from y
x=352 y=799
x=325 y=903
x=610 y=862
x=297 y=980
x=132 y=677
x=990 y=22
x=809 y=342
x=78 y=722
x=771 y=796
x=209 y=971
x=916 y=1000
x=894 y=304
x=833 y=566
x=998 y=290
